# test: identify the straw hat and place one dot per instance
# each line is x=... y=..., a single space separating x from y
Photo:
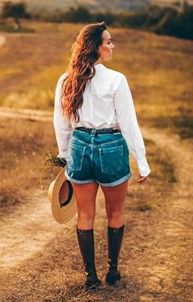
x=63 y=203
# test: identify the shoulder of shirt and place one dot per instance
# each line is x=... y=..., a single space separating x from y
x=62 y=77
x=114 y=73
x=111 y=71
x=59 y=84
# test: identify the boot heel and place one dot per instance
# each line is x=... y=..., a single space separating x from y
x=112 y=276
x=92 y=282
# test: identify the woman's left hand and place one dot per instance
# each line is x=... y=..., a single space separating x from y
x=141 y=179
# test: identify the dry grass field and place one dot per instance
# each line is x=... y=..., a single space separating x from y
x=39 y=258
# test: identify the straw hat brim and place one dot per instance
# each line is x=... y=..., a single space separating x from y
x=60 y=194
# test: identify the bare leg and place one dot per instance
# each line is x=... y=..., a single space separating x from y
x=114 y=200
x=85 y=195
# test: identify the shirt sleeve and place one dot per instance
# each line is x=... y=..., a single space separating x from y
x=62 y=127
x=127 y=120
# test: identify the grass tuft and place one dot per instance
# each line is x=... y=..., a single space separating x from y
x=11 y=29
x=144 y=208
x=180 y=124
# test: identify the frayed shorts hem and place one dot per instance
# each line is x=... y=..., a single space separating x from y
x=117 y=182
x=79 y=181
x=112 y=184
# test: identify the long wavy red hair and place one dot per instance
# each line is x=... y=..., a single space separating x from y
x=85 y=53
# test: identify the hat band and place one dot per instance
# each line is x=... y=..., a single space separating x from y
x=65 y=203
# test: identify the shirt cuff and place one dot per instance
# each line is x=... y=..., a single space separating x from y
x=63 y=154
x=143 y=167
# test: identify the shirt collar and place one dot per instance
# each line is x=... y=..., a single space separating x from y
x=99 y=66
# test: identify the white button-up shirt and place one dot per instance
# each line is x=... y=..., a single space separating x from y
x=107 y=102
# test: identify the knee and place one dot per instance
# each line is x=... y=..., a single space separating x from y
x=85 y=221
x=115 y=215
x=115 y=219
x=86 y=217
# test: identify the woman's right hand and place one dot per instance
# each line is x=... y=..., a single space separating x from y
x=141 y=179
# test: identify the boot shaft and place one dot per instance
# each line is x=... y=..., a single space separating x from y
x=86 y=245
x=115 y=236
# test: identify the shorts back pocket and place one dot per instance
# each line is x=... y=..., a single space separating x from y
x=111 y=159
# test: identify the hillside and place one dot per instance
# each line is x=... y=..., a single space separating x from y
x=172 y=3
x=96 y=5
x=112 y=5
x=166 y=2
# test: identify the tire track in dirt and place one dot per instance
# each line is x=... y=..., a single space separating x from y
x=27 y=230
x=32 y=114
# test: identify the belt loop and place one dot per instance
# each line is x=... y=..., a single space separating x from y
x=93 y=132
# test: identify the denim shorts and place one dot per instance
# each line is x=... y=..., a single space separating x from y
x=101 y=158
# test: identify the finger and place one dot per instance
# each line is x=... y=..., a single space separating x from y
x=141 y=179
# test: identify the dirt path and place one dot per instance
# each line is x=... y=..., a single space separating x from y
x=160 y=267
x=27 y=231
x=26 y=114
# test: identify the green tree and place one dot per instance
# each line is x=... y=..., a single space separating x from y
x=78 y=15
x=15 y=11
x=107 y=17
x=184 y=24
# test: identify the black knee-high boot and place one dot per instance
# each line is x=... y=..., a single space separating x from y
x=86 y=244
x=115 y=236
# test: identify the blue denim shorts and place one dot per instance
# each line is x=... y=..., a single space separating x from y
x=101 y=158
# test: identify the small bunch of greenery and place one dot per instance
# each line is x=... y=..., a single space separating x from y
x=54 y=160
